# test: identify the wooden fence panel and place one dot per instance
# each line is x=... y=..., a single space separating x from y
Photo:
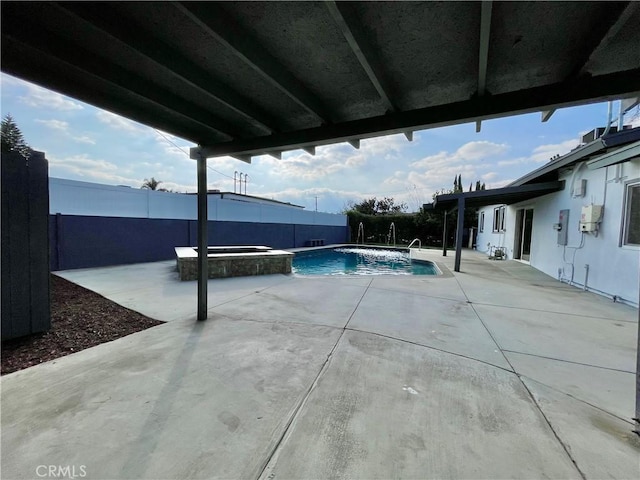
x=25 y=245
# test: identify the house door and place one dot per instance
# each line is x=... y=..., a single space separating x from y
x=524 y=228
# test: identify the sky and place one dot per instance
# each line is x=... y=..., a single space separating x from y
x=86 y=143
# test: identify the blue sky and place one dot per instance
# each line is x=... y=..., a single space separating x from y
x=85 y=143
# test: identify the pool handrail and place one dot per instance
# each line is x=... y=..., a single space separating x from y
x=414 y=241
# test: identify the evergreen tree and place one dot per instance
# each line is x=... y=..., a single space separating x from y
x=12 y=139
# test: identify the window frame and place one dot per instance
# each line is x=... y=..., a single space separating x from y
x=481 y=222
x=499 y=214
x=629 y=186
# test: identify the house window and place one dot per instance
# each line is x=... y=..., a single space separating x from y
x=631 y=228
x=481 y=222
x=498 y=219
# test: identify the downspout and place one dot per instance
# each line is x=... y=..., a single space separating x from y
x=620 y=117
x=609 y=114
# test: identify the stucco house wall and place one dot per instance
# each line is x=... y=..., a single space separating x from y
x=613 y=268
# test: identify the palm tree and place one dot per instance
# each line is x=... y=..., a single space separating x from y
x=151 y=184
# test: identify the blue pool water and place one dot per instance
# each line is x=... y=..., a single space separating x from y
x=359 y=261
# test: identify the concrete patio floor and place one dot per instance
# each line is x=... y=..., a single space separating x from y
x=498 y=371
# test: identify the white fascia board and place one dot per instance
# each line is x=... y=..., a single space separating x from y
x=617 y=156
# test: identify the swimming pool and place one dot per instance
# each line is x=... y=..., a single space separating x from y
x=359 y=261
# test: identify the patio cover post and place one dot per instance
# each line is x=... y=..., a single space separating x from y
x=444 y=235
x=203 y=271
x=459 y=231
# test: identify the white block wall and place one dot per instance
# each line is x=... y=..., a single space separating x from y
x=70 y=197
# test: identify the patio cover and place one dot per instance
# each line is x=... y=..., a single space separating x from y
x=502 y=196
x=247 y=78
x=479 y=198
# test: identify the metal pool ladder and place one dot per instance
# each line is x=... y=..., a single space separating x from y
x=414 y=241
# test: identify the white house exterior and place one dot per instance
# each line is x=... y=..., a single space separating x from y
x=600 y=254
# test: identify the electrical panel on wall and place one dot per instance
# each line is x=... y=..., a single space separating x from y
x=562 y=227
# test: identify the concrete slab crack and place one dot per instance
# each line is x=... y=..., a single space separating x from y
x=533 y=399
x=273 y=455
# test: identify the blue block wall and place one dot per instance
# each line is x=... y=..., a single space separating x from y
x=78 y=241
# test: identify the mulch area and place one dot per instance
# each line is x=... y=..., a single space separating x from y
x=80 y=319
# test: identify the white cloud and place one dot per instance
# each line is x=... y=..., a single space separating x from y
x=84 y=139
x=513 y=161
x=63 y=127
x=38 y=97
x=499 y=183
x=543 y=153
x=8 y=80
x=83 y=167
x=172 y=146
x=119 y=123
x=437 y=172
x=301 y=165
x=468 y=152
x=81 y=163
x=332 y=159
x=384 y=145
x=481 y=150
x=54 y=124
x=329 y=200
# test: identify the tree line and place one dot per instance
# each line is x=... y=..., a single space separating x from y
x=376 y=216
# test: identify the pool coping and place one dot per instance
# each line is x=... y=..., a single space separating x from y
x=441 y=269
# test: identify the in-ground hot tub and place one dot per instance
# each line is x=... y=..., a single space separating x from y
x=233 y=261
